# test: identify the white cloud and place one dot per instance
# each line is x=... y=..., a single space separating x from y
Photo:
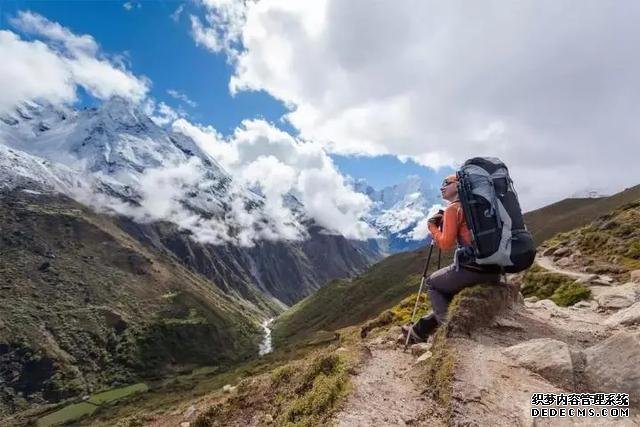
x=50 y=69
x=261 y=155
x=175 y=16
x=547 y=86
x=33 y=72
x=223 y=24
x=181 y=97
x=161 y=113
x=127 y=6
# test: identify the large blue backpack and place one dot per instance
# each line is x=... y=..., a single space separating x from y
x=494 y=217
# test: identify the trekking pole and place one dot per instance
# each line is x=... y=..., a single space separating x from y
x=415 y=307
x=439 y=257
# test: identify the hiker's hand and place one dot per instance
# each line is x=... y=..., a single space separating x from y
x=436 y=219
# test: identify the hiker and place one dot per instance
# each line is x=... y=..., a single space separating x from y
x=447 y=229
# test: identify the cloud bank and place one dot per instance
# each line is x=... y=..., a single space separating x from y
x=51 y=67
x=548 y=86
x=264 y=157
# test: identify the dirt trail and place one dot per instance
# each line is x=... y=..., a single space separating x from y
x=388 y=392
x=548 y=264
x=490 y=387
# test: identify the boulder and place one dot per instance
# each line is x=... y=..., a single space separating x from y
x=588 y=279
x=635 y=276
x=420 y=348
x=582 y=304
x=628 y=316
x=612 y=365
x=564 y=262
x=617 y=297
x=545 y=303
x=549 y=251
x=531 y=299
x=603 y=280
x=561 y=252
x=548 y=357
x=476 y=307
x=228 y=388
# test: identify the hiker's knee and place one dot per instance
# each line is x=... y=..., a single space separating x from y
x=439 y=279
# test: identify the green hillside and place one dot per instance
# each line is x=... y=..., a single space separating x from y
x=84 y=307
x=350 y=301
x=571 y=213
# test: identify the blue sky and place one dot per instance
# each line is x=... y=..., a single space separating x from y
x=162 y=49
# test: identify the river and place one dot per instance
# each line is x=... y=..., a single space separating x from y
x=266 y=346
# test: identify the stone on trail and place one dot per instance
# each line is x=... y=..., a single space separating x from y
x=612 y=365
x=548 y=357
x=424 y=357
x=626 y=317
x=582 y=304
x=588 y=279
x=549 y=251
x=603 y=280
x=531 y=299
x=420 y=348
x=617 y=297
x=561 y=252
x=228 y=388
x=635 y=276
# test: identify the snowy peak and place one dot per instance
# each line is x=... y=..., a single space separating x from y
x=399 y=210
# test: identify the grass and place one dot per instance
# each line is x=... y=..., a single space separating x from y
x=117 y=393
x=67 y=414
x=300 y=393
x=76 y=411
x=568 y=214
x=347 y=302
x=562 y=290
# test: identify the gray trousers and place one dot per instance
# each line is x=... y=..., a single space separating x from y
x=443 y=284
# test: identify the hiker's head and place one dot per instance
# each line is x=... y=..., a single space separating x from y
x=449 y=188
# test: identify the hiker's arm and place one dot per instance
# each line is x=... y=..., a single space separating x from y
x=446 y=238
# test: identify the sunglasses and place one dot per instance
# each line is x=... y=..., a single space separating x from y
x=445 y=183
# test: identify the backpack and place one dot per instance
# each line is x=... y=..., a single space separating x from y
x=493 y=214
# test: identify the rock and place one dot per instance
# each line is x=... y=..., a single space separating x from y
x=635 y=276
x=502 y=322
x=617 y=297
x=628 y=316
x=564 y=262
x=531 y=299
x=582 y=304
x=548 y=357
x=189 y=412
x=603 y=280
x=268 y=418
x=185 y=424
x=228 y=388
x=613 y=365
x=425 y=356
x=545 y=303
x=549 y=251
x=561 y=252
x=587 y=280
x=341 y=350
x=420 y=348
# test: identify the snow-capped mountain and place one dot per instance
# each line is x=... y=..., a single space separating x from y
x=399 y=211
x=172 y=195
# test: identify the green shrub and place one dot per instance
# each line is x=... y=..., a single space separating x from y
x=561 y=289
x=634 y=249
x=569 y=294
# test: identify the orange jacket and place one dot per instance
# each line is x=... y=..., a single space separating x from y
x=454 y=228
